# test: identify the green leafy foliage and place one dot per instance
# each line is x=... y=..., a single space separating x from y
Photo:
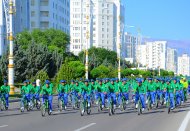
x=77 y=68
x=98 y=56
x=53 y=39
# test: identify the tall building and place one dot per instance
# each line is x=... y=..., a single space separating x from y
x=143 y=55
x=130 y=44
x=155 y=54
x=171 y=61
x=184 y=65
x=2 y=29
x=102 y=26
x=45 y=14
x=36 y=14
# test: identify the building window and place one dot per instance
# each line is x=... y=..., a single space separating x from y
x=44 y=13
x=33 y=24
x=44 y=24
x=32 y=2
x=32 y=13
x=44 y=2
x=102 y=23
x=102 y=29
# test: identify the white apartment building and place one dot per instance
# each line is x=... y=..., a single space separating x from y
x=130 y=44
x=102 y=24
x=143 y=55
x=2 y=29
x=36 y=14
x=184 y=65
x=156 y=54
x=171 y=61
x=46 y=14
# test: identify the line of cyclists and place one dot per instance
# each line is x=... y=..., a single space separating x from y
x=105 y=93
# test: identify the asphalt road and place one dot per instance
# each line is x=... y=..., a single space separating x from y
x=70 y=120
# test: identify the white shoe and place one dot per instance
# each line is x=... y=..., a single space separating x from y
x=96 y=102
x=142 y=109
x=164 y=102
x=136 y=106
x=88 y=104
x=127 y=102
x=22 y=108
x=114 y=106
x=152 y=105
x=146 y=101
x=182 y=102
x=65 y=107
x=50 y=111
x=102 y=106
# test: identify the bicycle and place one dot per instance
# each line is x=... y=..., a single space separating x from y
x=36 y=103
x=149 y=106
x=26 y=105
x=61 y=104
x=3 y=103
x=123 y=105
x=84 y=107
x=45 y=108
x=111 y=107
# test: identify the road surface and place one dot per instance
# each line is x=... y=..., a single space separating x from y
x=70 y=120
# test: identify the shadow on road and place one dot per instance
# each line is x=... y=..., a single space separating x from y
x=15 y=114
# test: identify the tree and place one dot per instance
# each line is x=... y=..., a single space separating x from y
x=77 y=68
x=99 y=55
x=100 y=72
x=126 y=72
x=42 y=75
x=53 y=39
x=65 y=72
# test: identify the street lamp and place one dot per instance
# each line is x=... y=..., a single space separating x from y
x=9 y=7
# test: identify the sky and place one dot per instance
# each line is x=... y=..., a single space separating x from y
x=161 y=19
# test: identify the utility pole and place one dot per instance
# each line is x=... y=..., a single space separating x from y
x=119 y=39
x=9 y=7
x=87 y=38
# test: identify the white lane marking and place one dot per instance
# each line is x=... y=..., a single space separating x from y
x=185 y=122
x=3 y=126
x=84 y=127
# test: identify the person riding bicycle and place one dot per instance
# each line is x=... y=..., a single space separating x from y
x=76 y=92
x=46 y=92
x=105 y=93
x=151 y=89
x=124 y=88
x=114 y=92
x=63 y=90
x=184 y=82
x=25 y=91
x=171 y=92
x=177 y=88
x=4 y=92
x=86 y=92
x=140 y=91
x=36 y=91
x=97 y=90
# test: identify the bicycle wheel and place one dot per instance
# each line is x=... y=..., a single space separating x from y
x=60 y=105
x=139 y=108
x=38 y=104
x=43 y=110
x=88 y=110
x=1 y=105
x=149 y=104
x=82 y=110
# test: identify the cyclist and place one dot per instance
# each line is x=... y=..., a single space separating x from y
x=46 y=93
x=86 y=91
x=171 y=92
x=184 y=82
x=4 y=91
x=124 y=88
x=177 y=88
x=105 y=93
x=151 y=91
x=114 y=91
x=25 y=91
x=63 y=90
x=140 y=90
x=36 y=92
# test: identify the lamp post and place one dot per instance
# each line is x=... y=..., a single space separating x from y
x=11 y=62
x=119 y=39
